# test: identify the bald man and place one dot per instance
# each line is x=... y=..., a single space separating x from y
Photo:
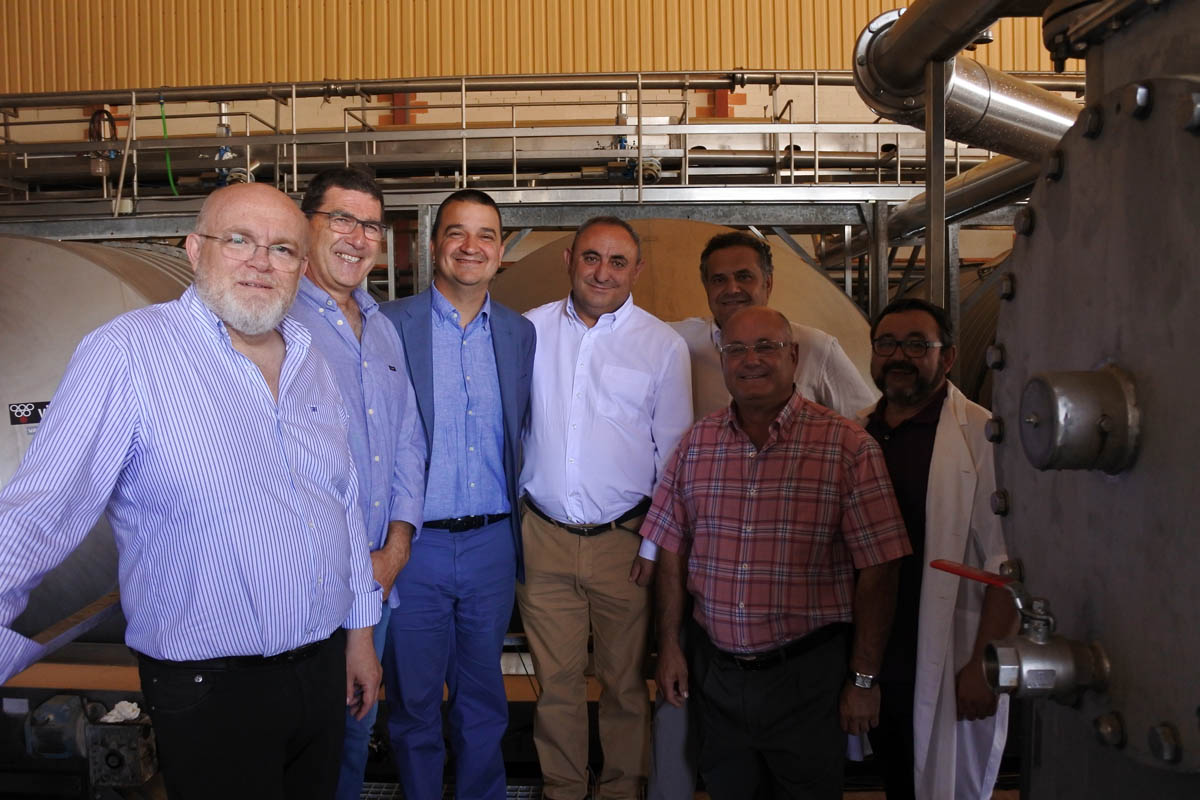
x=213 y=436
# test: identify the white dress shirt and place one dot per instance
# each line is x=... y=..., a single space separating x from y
x=824 y=373
x=608 y=404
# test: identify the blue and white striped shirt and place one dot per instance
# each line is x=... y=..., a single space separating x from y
x=236 y=518
x=387 y=441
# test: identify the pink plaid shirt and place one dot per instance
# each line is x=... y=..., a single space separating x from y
x=773 y=536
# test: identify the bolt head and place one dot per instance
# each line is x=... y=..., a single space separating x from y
x=1138 y=100
x=1054 y=165
x=1110 y=729
x=1008 y=286
x=1008 y=672
x=1023 y=221
x=999 y=502
x=1189 y=112
x=993 y=357
x=1164 y=742
x=993 y=429
x=1092 y=120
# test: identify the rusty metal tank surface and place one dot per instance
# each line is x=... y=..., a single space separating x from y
x=51 y=295
x=1097 y=395
x=670 y=287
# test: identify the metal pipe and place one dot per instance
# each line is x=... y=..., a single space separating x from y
x=985 y=107
x=508 y=83
x=930 y=30
x=990 y=185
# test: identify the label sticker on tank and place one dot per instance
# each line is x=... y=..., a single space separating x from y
x=26 y=413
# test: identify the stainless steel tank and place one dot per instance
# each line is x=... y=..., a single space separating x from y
x=51 y=295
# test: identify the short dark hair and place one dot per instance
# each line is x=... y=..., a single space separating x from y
x=614 y=221
x=737 y=239
x=902 y=304
x=352 y=179
x=465 y=196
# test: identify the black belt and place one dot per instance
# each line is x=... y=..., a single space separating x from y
x=791 y=650
x=592 y=530
x=460 y=524
x=302 y=653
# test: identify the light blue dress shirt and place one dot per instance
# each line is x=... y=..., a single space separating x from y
x=236 y=516
x=466 y=467
x=386 y=439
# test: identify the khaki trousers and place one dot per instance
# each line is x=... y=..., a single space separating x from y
x=573 y=584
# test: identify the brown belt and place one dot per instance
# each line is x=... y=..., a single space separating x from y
x=593 y=530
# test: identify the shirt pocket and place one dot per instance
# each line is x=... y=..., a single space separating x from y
x=624 y=394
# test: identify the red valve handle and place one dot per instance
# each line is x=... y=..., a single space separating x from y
x=963 y=571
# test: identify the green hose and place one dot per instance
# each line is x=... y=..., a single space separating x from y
x=170 y=177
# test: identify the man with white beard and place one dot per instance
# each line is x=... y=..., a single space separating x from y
x=213 y=436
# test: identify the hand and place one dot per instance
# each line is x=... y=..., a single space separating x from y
x=672 y=674
x=363 y=672
x=642 y=571
x=386 y=565
x=976 y=700
x=859 y=708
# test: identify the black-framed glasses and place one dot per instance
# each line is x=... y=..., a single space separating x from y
x=240 y=247
x=761 y=347
x=913 y=348
x=340 y=222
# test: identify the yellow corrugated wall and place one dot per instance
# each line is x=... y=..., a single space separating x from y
x=69 y=45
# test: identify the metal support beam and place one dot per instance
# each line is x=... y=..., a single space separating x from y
x=787 y=239
x=878 y=290
x=514 y=239
x=423 y=277
x=391 y=263
x=953 y=290
x=847 y=275
x=936 y=75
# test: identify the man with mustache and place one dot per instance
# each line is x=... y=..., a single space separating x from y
x=777 y=517
x=942 y=730
x=610 y=398
x=737 y=272
x=344 y=207
x=212 y=433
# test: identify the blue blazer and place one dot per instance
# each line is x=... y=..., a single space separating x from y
x=513 y=339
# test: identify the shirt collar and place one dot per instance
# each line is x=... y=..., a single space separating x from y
x=319 y=298
x=783 y=424
x=612 y=319
x=443 y=309
x=294 y=334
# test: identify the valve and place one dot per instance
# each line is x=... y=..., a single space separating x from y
x=1037 y=662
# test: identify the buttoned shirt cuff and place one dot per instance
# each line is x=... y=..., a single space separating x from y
x=16 y=653
x=648 y=550
x=366 y=609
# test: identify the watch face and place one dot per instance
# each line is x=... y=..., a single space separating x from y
x=864 y=681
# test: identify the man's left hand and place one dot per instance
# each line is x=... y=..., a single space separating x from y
x=976 y=700
x=389 y=560
x=642 y=571
x=363 y=672
x=859 y=708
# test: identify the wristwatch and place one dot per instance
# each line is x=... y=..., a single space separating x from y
x=862 y=680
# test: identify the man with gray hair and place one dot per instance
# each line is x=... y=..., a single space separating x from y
x=212 y=434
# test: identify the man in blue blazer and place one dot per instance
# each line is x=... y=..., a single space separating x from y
x=470 y=361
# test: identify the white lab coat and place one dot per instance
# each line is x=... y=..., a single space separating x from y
x=953 y=759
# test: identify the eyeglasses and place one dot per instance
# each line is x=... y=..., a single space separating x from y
x=762 y=348
x=345 y=223
x=240 y=247
x=913 y=348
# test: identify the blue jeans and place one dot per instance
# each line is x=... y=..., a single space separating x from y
x=456 y=598
x=358 y=732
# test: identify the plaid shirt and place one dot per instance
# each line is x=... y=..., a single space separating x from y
x=773 y=536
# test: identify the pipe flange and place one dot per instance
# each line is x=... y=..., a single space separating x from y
x=904 y=105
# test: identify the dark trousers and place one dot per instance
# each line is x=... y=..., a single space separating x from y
x=774 y=732
x=892 y=741
x=272 y=731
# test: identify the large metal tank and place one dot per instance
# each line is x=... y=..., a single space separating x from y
x=1100 y=434
x=51 y=295
x=670 y=287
